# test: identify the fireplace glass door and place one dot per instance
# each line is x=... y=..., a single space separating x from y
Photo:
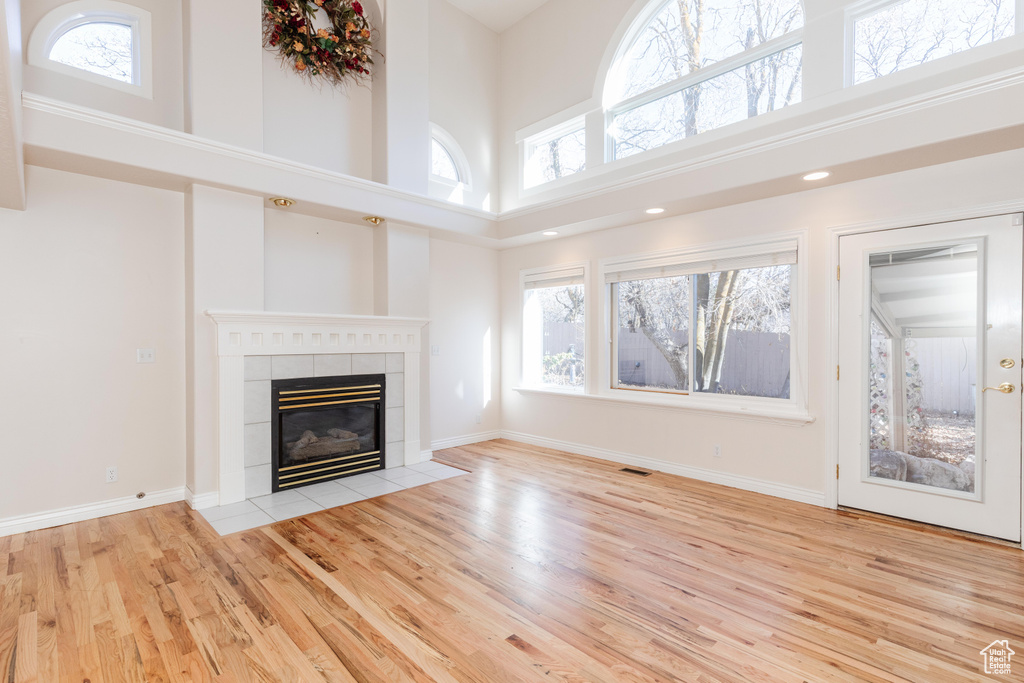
x=326 y=428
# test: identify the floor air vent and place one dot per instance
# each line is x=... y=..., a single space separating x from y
x=630 y=470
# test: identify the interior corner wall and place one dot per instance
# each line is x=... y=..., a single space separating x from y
x=464 y=66
x=546 y=69
x=166 y=108
x=789 y=455
x=465 y=324
x=336 y=129
x=316 y=265
x=92 y=271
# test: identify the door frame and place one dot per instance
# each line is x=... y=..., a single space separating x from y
x=832 y=392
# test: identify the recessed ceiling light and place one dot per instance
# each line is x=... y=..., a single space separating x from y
x=654 y=212
x=283 y=202
x=373 y=220
x=817 y=175
x=549 y=233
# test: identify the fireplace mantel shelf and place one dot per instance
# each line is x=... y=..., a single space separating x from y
x=264 y=317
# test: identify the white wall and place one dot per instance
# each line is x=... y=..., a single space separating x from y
x=167 y=106
x=315 y=265
x=315 y=124
x=465 y=326
x=93 y=270
x=789 y=455
x=464 y=66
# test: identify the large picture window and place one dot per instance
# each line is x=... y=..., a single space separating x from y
x=895 y=35
x=719 y=326
x=697 y=65
x=554 y=329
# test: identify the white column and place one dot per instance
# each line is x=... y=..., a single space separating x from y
x=231 y=429
x=412 y=417
x=224 y=270
x=12 y=160
x=401 y=98
x=224 y=70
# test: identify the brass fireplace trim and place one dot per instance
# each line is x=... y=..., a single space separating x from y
x=285 y=484
x=313 y=391
x=335 y=467
x=344 y=395
x=327 y=462
x=328 y=403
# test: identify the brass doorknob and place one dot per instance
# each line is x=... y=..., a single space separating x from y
x=1005 y=387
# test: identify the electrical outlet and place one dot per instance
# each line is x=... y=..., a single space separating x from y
x=479 y=418
x=718 y=451
x=145 y=356
x=111 y=475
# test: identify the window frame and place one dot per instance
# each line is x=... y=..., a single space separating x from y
x=443 y=188
x=613 y=109
x=792 y=409
x=553 y=273
x=52 y=27
x=861 y=10
x=531 y=142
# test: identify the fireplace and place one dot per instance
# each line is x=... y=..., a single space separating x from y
x=326 y=428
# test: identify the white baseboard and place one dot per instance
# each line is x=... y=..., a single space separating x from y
x=465 y=440
x=425 y=456
x=735 y=481
x=201 y=501
x=80 y=513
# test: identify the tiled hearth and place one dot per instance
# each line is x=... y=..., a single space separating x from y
x=262 y=510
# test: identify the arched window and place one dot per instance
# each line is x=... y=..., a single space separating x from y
x=101 y=41
x=449 y=167
x=689 y=66
x=442 y=164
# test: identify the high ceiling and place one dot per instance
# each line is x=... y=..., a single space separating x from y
x=497 y=15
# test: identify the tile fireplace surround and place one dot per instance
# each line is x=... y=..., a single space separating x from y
x=255 y=347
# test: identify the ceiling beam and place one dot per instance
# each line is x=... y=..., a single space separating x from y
x=12 y=159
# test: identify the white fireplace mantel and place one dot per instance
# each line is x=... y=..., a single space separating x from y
x=260 y=333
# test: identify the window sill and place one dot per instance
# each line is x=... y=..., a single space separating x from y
x=748 y=410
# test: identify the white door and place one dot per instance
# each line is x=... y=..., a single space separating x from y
x=930 y=374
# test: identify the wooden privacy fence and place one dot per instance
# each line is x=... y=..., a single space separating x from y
x=949 y=373
x=756 y=363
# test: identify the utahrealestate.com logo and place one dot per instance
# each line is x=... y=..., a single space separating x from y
x=997 y=657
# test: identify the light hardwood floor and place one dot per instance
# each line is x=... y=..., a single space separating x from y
x=539 y=566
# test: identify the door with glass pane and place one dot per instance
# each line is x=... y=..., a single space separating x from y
x=930 y=374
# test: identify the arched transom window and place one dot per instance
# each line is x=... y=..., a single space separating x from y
x=442 y=164
x=690 y=66
x=100 y=47
x=101 y=41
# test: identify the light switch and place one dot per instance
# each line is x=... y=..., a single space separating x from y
x=435 y=350
x=145 y=356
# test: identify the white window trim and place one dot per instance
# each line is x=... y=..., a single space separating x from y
x=458 y=157
x=860 y=10
x=527 y=144
x=554 y=273
x=66 y=17
x=793 y=409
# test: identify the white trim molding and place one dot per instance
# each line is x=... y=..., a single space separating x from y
x=81 y=513
x=465 y=440
x=201 y=501
x=259 y=333
x=736 y=481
